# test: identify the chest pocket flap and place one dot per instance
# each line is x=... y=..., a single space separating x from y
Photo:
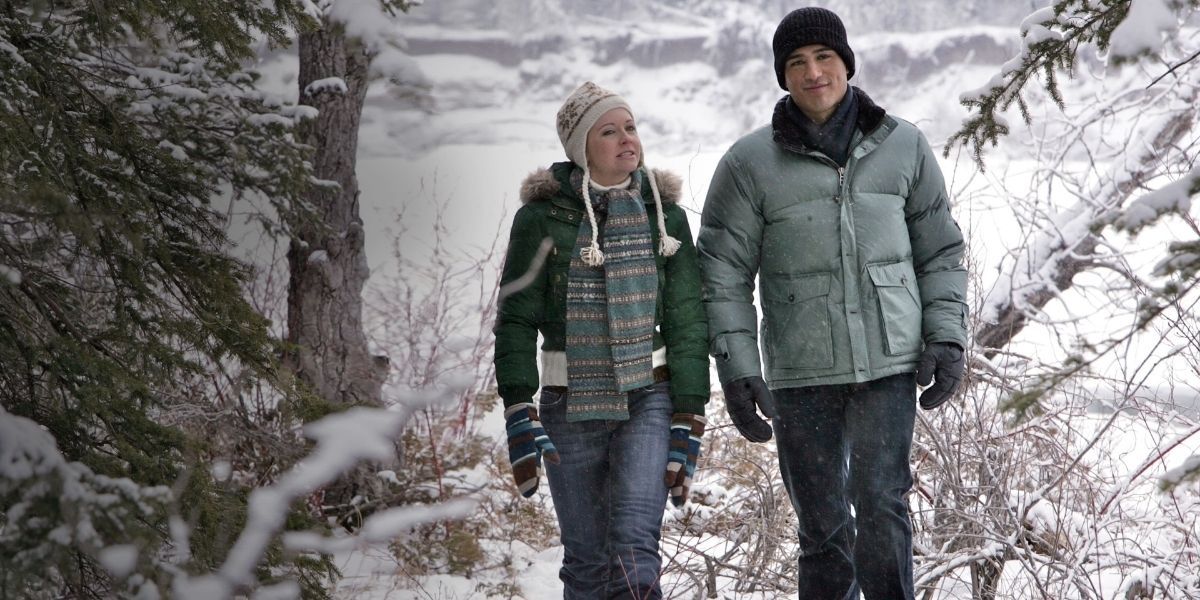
x=797 y=290
x=899 y=306
x=892 y=274
x=566 y=215
x=796 y=325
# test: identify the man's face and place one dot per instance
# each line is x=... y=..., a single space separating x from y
x=816 y=80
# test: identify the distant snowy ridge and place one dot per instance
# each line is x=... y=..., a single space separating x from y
x=524 y=16
x=879 y=55
x=694 y=86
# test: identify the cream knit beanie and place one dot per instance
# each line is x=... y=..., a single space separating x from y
x=575 y=119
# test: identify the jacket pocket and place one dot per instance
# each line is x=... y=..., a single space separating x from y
x=796 y=326
x=899 y=307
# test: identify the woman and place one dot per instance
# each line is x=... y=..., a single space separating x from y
x=601 y=263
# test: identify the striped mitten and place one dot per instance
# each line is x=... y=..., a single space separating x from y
x=527 y=444
x=686 y=431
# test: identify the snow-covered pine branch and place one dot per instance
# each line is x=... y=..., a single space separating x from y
x=55 y=508
x=1051 y=39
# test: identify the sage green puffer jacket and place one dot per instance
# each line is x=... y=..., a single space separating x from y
x=552 y=210
x=857 y=267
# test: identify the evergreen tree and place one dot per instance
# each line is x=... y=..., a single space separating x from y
x=120 y=126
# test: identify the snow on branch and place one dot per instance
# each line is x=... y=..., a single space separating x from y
x=56 y=508
x=374 y=23
x=1183 y=259
x=367 y=20
x=342 y=441
x=1188 y=471
x=1046 y=265
x=10 y=275
x=1050 y=40
x=381 y=526
x=26 y=450
x=1175 y=197
x=399 y=68
x=12 y=52
x=1045 y=45
x=311 y=9
x=335 y=85
x=1142 y=30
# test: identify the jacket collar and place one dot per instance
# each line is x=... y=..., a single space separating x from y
x=544 y=185
x=787 y=133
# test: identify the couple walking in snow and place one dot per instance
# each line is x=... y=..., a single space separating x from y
x=840 y=212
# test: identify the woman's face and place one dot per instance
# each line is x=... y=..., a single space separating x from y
x=613 y=148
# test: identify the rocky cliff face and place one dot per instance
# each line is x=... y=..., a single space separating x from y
x=700 y=76
x=526 y=16
x=883 y=59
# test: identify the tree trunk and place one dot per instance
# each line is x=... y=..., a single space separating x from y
x=327 y=347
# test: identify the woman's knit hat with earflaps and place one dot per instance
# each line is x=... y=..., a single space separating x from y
x=578 y=114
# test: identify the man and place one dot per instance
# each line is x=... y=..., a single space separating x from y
x=841 y=212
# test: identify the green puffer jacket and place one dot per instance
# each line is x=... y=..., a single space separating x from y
x=857 y=266
x=551 y=209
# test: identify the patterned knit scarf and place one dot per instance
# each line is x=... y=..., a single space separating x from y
x=610 y=308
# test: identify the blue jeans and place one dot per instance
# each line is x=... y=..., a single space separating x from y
x=842 y=446
x=609 y=495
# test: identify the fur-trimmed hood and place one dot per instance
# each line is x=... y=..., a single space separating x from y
x=542 y=184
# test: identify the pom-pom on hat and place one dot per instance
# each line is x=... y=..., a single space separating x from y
x=807 y=26
x=575 y=119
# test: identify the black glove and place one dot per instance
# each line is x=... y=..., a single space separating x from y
x=945 y=359
x=741 y=397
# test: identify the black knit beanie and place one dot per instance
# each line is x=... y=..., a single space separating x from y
x=806 y=26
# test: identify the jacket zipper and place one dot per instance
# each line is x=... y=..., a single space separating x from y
x=841 y=183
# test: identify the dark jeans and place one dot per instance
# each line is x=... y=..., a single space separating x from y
x=609 y=495
x=843 y=446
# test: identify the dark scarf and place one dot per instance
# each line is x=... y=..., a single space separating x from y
x=796 y=132
x=831 y=138
x=610 y=308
